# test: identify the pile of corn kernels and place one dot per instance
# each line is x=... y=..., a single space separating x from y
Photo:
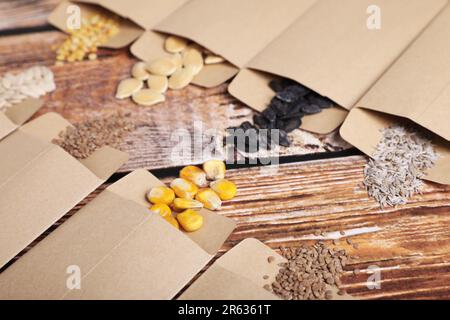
x=85 y=41
x=193 y=190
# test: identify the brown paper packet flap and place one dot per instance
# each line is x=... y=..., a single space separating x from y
x=6 y=125
x=121 y=250
x=210 y=237
x=105 y=161
x=247 y=264
x=17 y=115
x=149 y=46
x=417 y=86
x=340 y=57
x=248 y=28
x=218 y=283
x=257 y=83
x=145 y=13
x=46 y=185
x=324 y=122
x=215 y=74
x=46 y=127
x=128 y=31
x=362 y=128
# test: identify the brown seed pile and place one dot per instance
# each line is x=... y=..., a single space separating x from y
x=400 y=161
x=84 y=138
x=308 y=271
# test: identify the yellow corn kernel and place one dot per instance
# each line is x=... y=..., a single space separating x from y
x=195 y=175
x=172 y=221
x=190 y=220
x=184 y=188
x=215 y=169
x=162 y=209
x=161 y=195
x=180 y=204
x=224 y=188
x=209 y=198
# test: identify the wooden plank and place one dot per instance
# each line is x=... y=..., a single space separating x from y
x=87 y=89
x=15 y=14
x=285 y=206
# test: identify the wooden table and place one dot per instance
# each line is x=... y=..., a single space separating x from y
x=410 y=244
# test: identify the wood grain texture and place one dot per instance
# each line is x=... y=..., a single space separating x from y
x=285 y=206
x=87 y=89
x=15 y=14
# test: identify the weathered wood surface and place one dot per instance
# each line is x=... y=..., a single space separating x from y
x=15 y=14
x=87 y=89
x=411 y=243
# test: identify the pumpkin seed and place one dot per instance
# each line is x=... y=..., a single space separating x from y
x=128 y=87
x=158 y=83
x=193 y=58
x=181 y=78
x=175 y=44
x=213 y=59
x=162 y=67
x=139 y=72
x=148 y=97
x=177 y=59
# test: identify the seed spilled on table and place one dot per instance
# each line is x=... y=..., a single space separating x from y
x=308 y=272
x=84 y=138
x=401 y=159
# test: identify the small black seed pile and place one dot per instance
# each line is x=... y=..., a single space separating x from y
x=308 y=271
x=291 y=103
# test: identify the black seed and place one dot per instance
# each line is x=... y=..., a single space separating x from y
x=280 y=124
x=299 y=89
x=261 y=121
x=246 y=126
x=281 y=108
x=283 y=139
x=270 y=114
x=319 y=100
x=279 y=84
x=288 y=95
x=311 y=109
x=292 y=124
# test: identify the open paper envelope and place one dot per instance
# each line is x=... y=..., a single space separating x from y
x=322 y=44
x=239 y=275
x=122 y=250
x=325 y=45
x=40 y=182
x=416 y=87
x=15 y=116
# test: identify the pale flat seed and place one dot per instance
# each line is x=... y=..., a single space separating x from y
x=158 y=83
x=213 y=59
x=148 y=97
x=177 y=59
x=193 y=58
x=139 y=72
x=162 y=67
x=175 y=44
x=181 y=78
x=128 y=87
